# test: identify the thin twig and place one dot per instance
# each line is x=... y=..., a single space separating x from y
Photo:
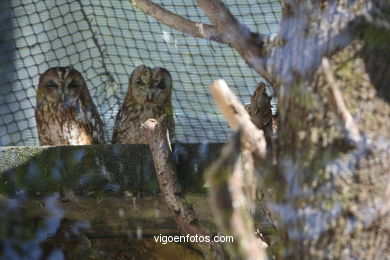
x=341 y=110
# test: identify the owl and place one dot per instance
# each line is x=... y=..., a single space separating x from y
x=65 y=113
x=148 y=96
x=260 y=110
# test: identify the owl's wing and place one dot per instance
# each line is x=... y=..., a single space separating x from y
x=94 y=123
x=168 y=112
x=92 y=118
x=127 y=114
x=40 y=120
x=118 y=123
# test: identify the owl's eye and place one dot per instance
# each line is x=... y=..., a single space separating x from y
x=161 y=85
x=73 y=85
x=140 y=82
x=52 y=84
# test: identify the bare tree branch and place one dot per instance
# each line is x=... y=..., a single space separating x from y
x=249 y=44
x=226 y=29
x=157 y=135
x=268 y=55
x=230 y=204
x=238 y=118
x=178 y=22
x=341 y=110
x=237 y=35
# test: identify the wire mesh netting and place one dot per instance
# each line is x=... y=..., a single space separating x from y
x=105 y=41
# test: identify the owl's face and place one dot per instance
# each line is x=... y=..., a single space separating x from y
x=260 y=93
x=150 y=85
x=61 y=84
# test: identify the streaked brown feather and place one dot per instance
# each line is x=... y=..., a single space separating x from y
x=70 y=121
x=143 y=102
x=260 y=108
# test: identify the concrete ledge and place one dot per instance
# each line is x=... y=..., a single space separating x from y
x=13 y=156
x=98 y=168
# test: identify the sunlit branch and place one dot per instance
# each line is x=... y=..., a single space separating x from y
x=238 y=118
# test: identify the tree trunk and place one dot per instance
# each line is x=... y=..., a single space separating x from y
x=329 y=195
x=327 y=187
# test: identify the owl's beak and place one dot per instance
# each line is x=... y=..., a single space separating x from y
x=67 y=101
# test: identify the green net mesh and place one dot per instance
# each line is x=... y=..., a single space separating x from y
x=105 y=41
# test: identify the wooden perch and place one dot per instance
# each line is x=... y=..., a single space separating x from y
x=156 y=133
x=238 y=118
x=230 y=204
x=340 y=108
